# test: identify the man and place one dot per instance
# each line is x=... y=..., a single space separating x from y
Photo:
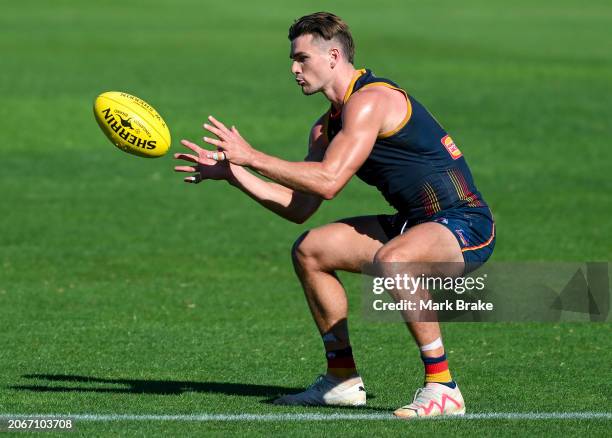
x=376 y=131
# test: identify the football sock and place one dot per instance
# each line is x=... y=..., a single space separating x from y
x=340 y=363
x=436 y=371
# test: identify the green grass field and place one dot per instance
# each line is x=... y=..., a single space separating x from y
x=125 y=291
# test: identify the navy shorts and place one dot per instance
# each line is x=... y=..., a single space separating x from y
x=473 y=227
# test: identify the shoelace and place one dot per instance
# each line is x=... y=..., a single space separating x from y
x=318 y=384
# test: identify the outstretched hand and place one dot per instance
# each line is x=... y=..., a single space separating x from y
x=229 y=141
x=203 y=167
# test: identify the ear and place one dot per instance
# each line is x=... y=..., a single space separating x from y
x=334 y=57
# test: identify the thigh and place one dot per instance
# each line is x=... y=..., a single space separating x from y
x=343 y=245
x=426 y=243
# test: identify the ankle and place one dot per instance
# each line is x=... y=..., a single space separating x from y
x=436 y=370
x=354 y=378
x=340 y=363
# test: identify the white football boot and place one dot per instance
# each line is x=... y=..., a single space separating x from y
x=433 y=400
x=328 y=391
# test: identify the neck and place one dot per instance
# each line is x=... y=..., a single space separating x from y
x=337 y=89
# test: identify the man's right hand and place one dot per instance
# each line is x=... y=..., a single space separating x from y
x=203 y=167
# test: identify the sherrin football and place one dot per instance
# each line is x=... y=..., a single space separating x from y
x=132 y=124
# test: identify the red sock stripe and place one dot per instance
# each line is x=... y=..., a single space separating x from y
x=436 y=367
x=342 y=362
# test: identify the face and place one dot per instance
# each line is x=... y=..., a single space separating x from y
x=313 y=61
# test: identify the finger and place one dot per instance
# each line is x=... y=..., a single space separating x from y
x=186 y=157
x=214 y=130
x=235 y=131
x=217 y=155
x=218 y=124
x=194 y=147
x=214 y=142
x=206 y=161
x=192 y=179
x=185 y=169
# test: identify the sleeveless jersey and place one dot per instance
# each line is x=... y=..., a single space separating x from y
x=417 y=167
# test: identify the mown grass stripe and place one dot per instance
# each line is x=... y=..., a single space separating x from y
x=315 y=416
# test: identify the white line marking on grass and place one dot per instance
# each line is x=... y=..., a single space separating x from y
x=317 y=416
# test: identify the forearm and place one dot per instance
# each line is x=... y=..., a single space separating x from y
x=305 y=176
x=277 y=198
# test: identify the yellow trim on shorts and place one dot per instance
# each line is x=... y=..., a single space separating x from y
x=474 y=248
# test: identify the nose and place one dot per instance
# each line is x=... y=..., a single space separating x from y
x=295 y=67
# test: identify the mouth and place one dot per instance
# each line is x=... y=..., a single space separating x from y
x=300 y=82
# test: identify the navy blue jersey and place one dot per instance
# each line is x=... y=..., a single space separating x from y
x=417 y=167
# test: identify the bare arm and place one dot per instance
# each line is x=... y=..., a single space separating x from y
x=287 y=203
x=291 y=204
x=362 y=120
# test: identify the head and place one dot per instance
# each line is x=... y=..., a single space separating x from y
x=321 y=44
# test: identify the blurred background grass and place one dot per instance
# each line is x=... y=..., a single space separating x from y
x=112 y=267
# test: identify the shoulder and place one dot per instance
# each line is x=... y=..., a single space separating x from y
x=375 y=94
x=366 y=104
x=318 y=134
x=382 y=105
x=319 y=124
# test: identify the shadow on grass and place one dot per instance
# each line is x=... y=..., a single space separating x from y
x=158 y=387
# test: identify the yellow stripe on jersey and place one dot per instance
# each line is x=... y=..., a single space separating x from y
x=349 y=90
x=457 y=185
x=408 y=110
x=432 y=198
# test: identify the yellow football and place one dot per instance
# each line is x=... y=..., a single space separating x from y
x=132 y=124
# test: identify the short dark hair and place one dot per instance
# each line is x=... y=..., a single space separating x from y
x=327 y=26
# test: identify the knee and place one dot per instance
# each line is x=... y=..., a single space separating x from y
x=390 y=255
x=391 y=261
x=305 y=253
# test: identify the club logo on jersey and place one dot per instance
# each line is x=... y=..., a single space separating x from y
x=450 y=146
